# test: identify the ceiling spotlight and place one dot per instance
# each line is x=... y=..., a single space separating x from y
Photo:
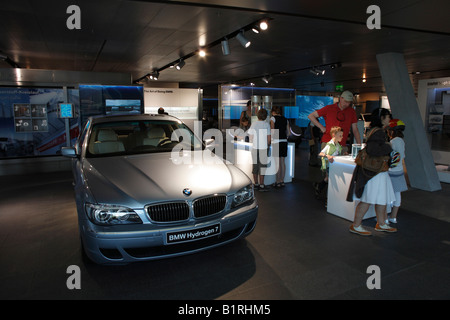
x=243 y=40
x=180 y=64
x=263 y=25
x=317 y=71
x=155 y=75
x=256 y=29
x=266 y=79
x=202 y=53
x=335 y=65
x=225 y=47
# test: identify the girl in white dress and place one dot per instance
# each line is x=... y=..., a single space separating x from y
x=395 y=133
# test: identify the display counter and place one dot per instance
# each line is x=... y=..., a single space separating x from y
x=340 y=175
x=242 y=158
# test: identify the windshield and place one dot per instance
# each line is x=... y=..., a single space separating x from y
x=133 y=137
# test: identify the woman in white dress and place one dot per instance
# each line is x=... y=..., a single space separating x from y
x=372 y=188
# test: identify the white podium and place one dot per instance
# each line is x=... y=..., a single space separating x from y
x=340 y=175
x=243 y=160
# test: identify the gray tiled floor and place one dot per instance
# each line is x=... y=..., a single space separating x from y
x=297 y=251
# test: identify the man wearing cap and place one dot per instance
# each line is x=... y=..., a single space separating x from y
x=339 y=114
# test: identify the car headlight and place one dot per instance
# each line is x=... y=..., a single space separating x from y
x=104 y=214
x=244 y=195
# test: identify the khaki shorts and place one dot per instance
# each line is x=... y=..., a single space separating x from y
x=259 y=159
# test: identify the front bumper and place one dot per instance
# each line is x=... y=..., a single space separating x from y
x=140 y=243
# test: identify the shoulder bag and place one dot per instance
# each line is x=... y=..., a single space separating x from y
x=375 y=164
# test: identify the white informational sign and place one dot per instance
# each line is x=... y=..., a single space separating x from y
x=180 y=103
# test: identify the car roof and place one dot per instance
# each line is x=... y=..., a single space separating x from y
x=131 y=117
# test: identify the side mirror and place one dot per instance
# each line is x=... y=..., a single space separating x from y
x=209 y=143
x=69 y=152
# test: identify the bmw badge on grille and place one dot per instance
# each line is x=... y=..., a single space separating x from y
x=187 y=192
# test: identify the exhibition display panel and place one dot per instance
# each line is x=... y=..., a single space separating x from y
x=340 y=175
x=434 y=105
x=30 y=121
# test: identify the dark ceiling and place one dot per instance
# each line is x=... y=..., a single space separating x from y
x=137 y=37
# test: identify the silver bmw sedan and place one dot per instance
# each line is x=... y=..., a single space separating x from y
x=147 y=188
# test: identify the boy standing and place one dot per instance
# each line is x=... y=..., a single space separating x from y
x=331 y=149
x=259 y=133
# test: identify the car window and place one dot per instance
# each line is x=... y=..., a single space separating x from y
x=134 y=137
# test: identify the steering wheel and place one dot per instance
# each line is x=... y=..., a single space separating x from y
x=163 y=142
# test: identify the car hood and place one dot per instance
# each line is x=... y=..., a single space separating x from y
x=137 y=180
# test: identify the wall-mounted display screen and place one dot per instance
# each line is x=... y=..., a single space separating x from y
x=114 y=106
x=308 y=104
x=66 y=110
x=290 y=112
x=108 y=99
